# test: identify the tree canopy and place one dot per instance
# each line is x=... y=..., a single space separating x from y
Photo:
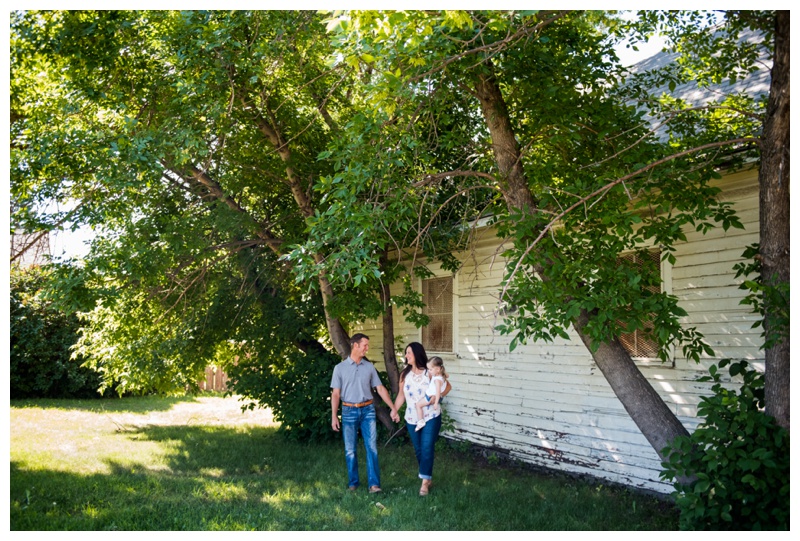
x=191 y=139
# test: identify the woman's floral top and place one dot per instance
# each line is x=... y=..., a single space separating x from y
x=414 y=388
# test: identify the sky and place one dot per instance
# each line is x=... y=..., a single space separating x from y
x=628 y=57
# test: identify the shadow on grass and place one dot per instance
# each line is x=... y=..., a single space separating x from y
x=230 y=451
x=133 y=404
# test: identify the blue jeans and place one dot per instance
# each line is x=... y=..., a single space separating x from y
x=354 y=419
x=423 y=441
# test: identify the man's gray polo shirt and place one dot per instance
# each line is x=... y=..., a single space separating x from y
x=355 y=380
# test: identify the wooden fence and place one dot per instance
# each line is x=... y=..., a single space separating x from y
x=216 y=380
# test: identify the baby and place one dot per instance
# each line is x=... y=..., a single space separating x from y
x=434 y=391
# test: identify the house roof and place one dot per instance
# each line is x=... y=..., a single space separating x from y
x=755 y=84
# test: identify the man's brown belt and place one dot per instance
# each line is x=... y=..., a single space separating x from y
x=359 y=405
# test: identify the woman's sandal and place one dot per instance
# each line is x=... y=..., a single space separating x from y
x=423 y=490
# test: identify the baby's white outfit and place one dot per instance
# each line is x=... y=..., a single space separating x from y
x=430 y=392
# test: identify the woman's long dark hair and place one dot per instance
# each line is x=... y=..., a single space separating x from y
x=420 y=359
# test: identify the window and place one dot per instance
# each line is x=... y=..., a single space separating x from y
x=640 y=343
x=437 y=294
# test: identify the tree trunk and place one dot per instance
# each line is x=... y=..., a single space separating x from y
x=382 y=412
x=339 y=337
x=656 y=421
x=773 y=181
x=504 y=144
x=389 y=357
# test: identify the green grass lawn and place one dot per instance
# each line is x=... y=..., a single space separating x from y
x=200 y=464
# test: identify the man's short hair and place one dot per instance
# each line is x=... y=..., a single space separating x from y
x=356 y=338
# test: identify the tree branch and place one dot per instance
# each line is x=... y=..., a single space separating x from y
x=496 y=46
x=610 y=185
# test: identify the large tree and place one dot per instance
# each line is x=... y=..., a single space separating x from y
x=560 y=148
x=190 y=142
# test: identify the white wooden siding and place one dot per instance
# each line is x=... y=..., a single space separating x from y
x=547 y=403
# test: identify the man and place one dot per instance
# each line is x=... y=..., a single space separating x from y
x=351 y=384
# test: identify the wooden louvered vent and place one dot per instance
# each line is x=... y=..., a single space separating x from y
x=640 y=344
x=437 y=294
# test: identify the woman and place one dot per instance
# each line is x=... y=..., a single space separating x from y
x=414 y=379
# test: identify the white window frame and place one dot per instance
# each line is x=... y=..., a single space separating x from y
x=454 y=338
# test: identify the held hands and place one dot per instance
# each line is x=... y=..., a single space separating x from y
x=395 y=416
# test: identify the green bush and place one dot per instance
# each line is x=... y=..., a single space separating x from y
x=297 y=389
x=41 y=336
x=739 y=458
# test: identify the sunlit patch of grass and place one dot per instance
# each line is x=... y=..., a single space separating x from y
x=211 y=472
x=91 y=511
x=289 y=496
x=223 y=491
x=275 y=499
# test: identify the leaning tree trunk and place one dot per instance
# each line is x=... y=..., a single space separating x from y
x=657 y=422
x=504 y=144
x=339 y=337
x=640 y=400
x=773 y=181
x=389 y=357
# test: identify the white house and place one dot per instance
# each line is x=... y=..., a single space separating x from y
x=547 y=403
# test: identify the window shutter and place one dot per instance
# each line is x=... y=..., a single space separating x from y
x=437 y=294
x=641 y=343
